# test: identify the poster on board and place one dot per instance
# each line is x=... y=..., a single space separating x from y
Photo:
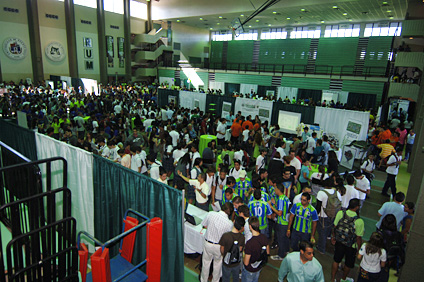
x=226 y=109
x=353 y=129
x=253 y=107
x=110 y=53
x=121 y=52
x=348 y=157
x=289 y=121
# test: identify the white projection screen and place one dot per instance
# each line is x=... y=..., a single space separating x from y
x=288 y=121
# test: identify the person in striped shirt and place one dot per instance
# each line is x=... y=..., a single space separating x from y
x=281 y=208
x=228 y=196
x=261 y=210
x=243 y=186
x=231 y=182
x=304 y=218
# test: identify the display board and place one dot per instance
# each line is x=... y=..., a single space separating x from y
x=226 y=109
x=253 y=107
x=192 y=100
x=22 y=119
x=329 y=95
x=167 y=81
x=90 y=86
x=289 y=121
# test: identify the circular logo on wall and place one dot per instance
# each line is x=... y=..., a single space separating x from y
x=55 y=52
x=14 y=48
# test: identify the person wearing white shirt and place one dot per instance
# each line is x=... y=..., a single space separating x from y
x=260 y=160
x=175 y=136
x=154 y=166
x=298 y=197
x=178 y=153
x=351 y=192
x=368 y=167
x=194 y=154
x=135 y=159
x=113 y=151
x=281 y=145
x=163 y=114
x=245 y=134
x=362 y=185
x=238 y=155
x=142 y=155
x=220 y=131
x=325 y=223
x=235 y=171
x=296 y=163
x=310 y=145
x=163 y=176
x=210 y=178
x=392 y=171
x=201 y=189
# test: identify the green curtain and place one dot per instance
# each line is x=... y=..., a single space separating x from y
x=163 y=96
x=117 y=189
x=19 y=138
x=308 y=113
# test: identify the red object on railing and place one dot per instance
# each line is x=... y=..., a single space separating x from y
x=83 y=255
x=128 y=242
x=100 y=266
x=154 y=249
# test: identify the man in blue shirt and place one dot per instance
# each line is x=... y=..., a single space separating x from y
x=301 y=266
x=396 y=208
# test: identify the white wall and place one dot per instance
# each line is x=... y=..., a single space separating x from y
x=192 y=39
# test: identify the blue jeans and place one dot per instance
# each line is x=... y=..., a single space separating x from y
x=282 y=239
x=408 y=150
x=296 y=237
x=247 y=276
x=228 y=272
x=324 y=230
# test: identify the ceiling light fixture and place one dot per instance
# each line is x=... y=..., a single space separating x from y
x=411 y=38
x=389 y=11
x=201 y=19
x=218 y=23
x=350 y=20
x=288 y=18
x=302 y=10
x=385 y=3
x=220 y=17
x=391 y=17
x=269 y=25
x=241 y=15
x=322 y=21
x=250 y=26
x=257 y=21
x=274 y=12
x=210 y=28
x=334 y=7
x=178 y=21
x=344 y=14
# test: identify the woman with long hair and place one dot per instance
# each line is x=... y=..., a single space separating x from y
x=333 y=163
x=258 y=142
x=373 y=258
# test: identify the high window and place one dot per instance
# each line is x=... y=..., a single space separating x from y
x=342 y=30
x=305 y=32
x=224 y=35
x=274 y=33
x=383 y=29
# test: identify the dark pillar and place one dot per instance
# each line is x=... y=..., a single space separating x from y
x=413 y=270
x=34 y=40
x=149 y=23
x=71 y=38
x=127 y=42
x=102 y=41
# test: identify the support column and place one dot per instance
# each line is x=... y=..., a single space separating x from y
x=412 y=270
x=149 y=23
x=102 y=41
x=34 y=40
x=127 y=40
x=71 y=38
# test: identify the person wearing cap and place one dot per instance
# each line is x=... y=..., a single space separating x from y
x=220 y=131
x=243 y=186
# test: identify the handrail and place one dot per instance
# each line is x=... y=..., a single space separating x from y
x=120 y=236
x=365 y=71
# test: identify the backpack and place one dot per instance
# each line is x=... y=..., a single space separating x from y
x=226 y=160
x=393 y=243
x=333 y=204
x=345 y=230
x=263 y=259
x=233 y=255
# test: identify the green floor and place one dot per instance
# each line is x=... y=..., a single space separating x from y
x=368 y=214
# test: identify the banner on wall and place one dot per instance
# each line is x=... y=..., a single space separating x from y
x=110 y=52
x=121 y=52
x=252 y=107
x=226 y=109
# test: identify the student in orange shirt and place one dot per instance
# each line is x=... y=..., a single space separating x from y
x=235 y=131
x=248 y=123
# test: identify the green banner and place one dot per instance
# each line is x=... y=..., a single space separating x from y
x=121 y=52
x=109 y=51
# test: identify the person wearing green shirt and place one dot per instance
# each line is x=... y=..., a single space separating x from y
x=342 y=248
x=304 y=218
x=281 y=208
x=229 y=195
x=231 y=183
x=243 y=186
x=301 y=266
x=261 y=210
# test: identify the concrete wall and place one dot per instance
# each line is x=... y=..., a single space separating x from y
x=14 y=25
x=193 y=40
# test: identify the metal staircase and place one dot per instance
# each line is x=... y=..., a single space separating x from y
x=360 y=55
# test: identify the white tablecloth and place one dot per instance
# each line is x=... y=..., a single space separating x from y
x=194 y=236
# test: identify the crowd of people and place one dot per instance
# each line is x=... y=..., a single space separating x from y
x=266 y=196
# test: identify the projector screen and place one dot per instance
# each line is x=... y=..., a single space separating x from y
x=288 y=121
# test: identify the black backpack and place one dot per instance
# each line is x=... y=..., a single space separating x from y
x=263 y=259
x=233 y=255
x=345 y=230
x=226 y=160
